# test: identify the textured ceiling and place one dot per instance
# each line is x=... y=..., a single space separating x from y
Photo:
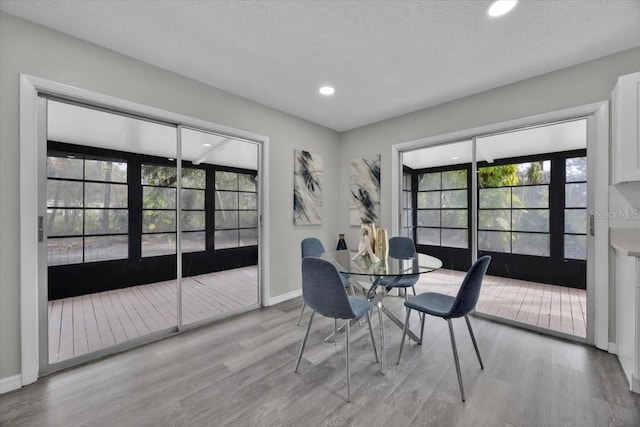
x=385 y=58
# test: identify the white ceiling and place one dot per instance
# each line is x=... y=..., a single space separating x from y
x=84 y=126
x=531 y=141
x=385 y=58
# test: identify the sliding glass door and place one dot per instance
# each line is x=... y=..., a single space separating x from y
x=527 y=208
x=150 y=228
x=219 y=222
x=110 y=251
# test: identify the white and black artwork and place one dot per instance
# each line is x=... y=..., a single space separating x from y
x=365 y=191
x=307 y=188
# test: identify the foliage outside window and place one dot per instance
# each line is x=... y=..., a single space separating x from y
x=236 y=210
x=87 y=209
x=575 y=208
x=159 y=189
x=513 y=208
x=442 y=210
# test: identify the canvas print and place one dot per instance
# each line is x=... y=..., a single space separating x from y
x=307 y=188
x=365 y=191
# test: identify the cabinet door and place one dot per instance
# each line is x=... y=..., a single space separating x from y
x=625 y=101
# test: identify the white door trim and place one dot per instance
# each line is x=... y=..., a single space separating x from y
x=598 y=295
x=30 y=87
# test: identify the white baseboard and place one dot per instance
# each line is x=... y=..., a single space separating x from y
x=10 y=383
x=613 y=348
x=285 y=297
x=635 y=384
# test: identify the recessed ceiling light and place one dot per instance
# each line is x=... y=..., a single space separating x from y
x=326 y=90
x=206 y=145
x=501 y=7
x=171 y=160
x=455 y=158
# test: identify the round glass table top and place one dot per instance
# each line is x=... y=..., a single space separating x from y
x=346 y=263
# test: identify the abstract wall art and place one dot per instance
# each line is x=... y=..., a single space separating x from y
x=307 y=188
x=365 y=191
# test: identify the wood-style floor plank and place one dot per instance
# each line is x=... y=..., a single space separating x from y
x=239 y=372
x=94 y=342
x=523 y=302
x=104 y=329
x=79 y=325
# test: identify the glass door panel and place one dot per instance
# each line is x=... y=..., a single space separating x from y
x=437 y=201
x=532 y=221
x=110 y=229
x=219 y=223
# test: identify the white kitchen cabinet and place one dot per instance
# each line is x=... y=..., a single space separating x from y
x=627 y=245
x=625 y=132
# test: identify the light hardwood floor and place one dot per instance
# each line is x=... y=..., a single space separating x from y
x=88 y=323
x=239 y=372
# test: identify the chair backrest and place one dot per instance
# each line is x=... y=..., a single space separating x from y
x=469 y=292
x=322 y=289
x=402 y=247
x=311 y=247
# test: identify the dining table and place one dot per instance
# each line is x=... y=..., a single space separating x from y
x=381 y=275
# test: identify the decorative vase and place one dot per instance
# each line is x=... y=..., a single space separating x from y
x=366 y=245
x=342 y=245
x=382 y=244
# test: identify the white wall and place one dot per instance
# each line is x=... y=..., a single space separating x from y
x=32 y=49
x=574 y=86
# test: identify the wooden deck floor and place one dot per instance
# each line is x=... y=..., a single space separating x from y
x=557 y=308
x=89 y=323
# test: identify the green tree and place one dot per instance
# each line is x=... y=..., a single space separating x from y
x=498 y=176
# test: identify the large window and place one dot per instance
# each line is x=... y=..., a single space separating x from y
x=575 y=208
x=87 y=209
x=442 y=209
x=159 y=209
x=236 y=210
x=513 y=208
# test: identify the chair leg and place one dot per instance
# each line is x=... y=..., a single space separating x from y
x=347 y=330
x=422 y=316
x=373 y=341
x=335 y=331
x=404 y=334
x=455 y=357
x=304 y=341
x=304 y=304
x=383 y=358
x=473 y=339
x=353 y=293
x=406 y=295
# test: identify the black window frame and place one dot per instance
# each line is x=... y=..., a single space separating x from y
x=80 y=279
x=84 y=235
x=554 y=269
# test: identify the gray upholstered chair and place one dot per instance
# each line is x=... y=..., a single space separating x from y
x=403 y=248
x=314 y=248
x=449 y=307
x=323 y=291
